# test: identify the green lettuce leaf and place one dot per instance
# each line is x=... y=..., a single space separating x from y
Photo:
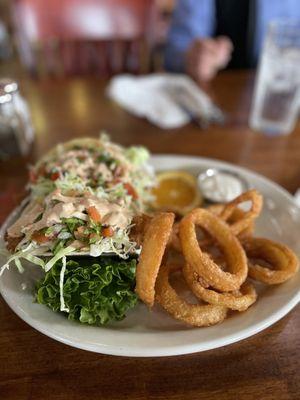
x=94 y=293
x=73 y=223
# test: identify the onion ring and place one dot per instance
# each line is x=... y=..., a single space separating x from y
x=239 y=300
x=201 y=262
x=280 y=257
x=249 y=216
x=192 y=314
x=236 y=216
x=154 y=244
x=174 y=241
x=241 y=222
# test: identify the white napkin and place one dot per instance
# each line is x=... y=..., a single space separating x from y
x=297 y=197
x=166 y=100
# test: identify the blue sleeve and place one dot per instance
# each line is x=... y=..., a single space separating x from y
x=191 y=19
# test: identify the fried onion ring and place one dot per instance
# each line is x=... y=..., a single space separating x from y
x=249 y=216
x=236 y=216
x=192 y=314
x=174 y=241
x=154 y=244
x=280 y=257
x=202 y=262
x=241 y=222
x=239 y=300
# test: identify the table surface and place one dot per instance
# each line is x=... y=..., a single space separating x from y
x=33 y=366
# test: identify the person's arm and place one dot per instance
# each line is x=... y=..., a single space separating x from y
x=191 y=19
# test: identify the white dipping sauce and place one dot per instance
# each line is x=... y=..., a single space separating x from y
x=220 y=187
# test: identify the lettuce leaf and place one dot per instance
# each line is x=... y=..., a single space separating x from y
x=94 y=293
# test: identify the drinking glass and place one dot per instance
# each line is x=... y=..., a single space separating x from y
x=276 y=98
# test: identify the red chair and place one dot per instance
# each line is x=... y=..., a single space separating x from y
x=80 y=36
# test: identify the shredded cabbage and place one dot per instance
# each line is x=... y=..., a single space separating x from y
x=61 y=285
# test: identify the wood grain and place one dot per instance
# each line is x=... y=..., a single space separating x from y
x=34 y=367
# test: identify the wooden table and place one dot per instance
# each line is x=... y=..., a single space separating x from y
x=266 y=366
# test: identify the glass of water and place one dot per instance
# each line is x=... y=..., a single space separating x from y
x=277 y=89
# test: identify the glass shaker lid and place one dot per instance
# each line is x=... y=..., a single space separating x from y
x=8 y=85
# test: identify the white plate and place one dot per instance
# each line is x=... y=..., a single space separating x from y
x=145 y=333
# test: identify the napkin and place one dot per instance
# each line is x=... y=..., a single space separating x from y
x=297 y=197
x=166 y=100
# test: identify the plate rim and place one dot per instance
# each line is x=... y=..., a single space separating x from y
x=175 y=350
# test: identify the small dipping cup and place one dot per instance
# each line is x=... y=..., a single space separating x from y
x=220 y=185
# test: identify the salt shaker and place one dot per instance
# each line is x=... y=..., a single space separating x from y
x=16 y=131
x=11 y=87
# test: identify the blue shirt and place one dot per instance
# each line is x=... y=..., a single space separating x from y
x=197 y=19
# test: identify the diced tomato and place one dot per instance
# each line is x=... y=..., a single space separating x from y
x=40 y=237
x=108 y=231
x=131 y=191
x=94 y=214
x=54 y=176
x=32 y=176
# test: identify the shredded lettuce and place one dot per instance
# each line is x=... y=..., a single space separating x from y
x=72 y=223
x=89 y=292
x=42 y=188
x=58 y=245
x=34 y=260
x=70 y=182
x=28 y=253
x=61 y=285
x=64 y=235
x=137 y=155
x=60 y=254
x=19 y=265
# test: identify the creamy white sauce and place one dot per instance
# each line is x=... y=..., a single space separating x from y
x=220 y=187
x=112 y=214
